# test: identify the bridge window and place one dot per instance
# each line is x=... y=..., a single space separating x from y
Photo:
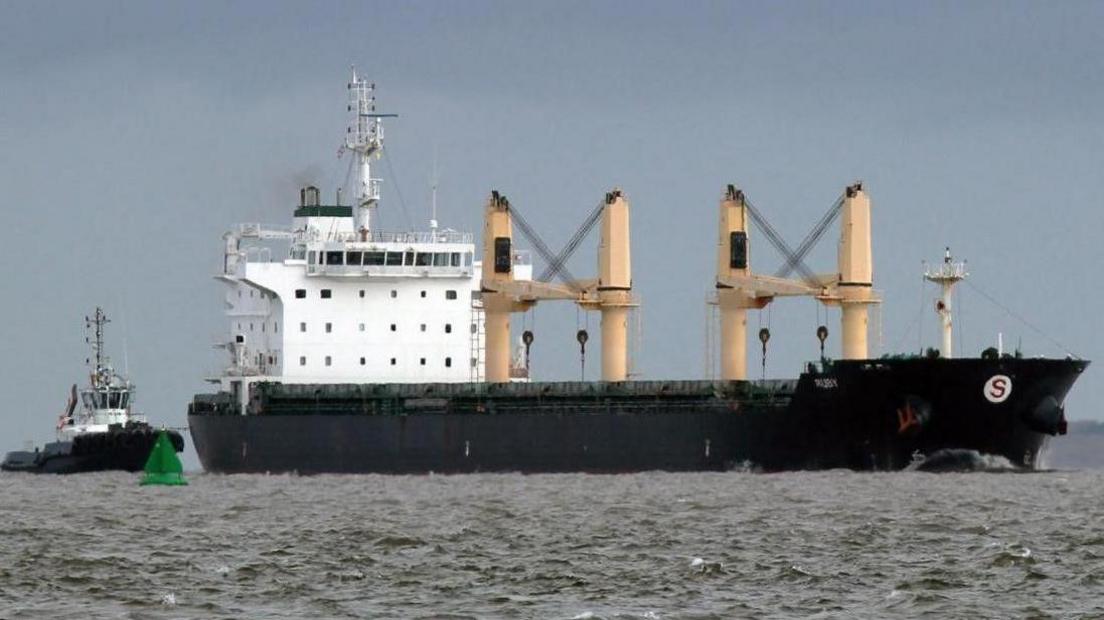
x=394 y=259
x=353 y=258
x=362 y=293
x=393 y=361
x=441 y=259
x=363 y=361
x=450 y=294
x=454 y=259
x=302 y=360
x=423 y=294
x=373 y=258
x=394 y=327
x=327 y=293
x=448 y=362
x=300 y=293
x=394 y=293
x=335 y=258
x=448 y=328
x=310 y=257
x=423 y=260
x=467 y=259
x=328 y=360
x=408 y=259
x=422 y=361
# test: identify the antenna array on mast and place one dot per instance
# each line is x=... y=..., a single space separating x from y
x=364 y=138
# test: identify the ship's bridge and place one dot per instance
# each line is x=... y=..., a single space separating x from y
x=396 y=254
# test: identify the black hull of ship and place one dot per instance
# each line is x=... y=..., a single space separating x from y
x=864 y=415
x=116 y=450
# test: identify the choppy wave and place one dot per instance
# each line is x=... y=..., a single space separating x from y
x=959 y=460
x=647 y=546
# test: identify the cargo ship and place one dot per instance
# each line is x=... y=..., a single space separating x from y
x=357 y=350
x=99 y=430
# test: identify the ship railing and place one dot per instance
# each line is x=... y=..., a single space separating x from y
x=439 y=236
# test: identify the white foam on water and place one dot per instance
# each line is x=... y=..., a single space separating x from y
x=696 y=562
x=586 y=615
x=169 y=600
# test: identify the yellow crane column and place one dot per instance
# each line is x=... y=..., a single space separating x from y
x=733 y=259
x=498 y=268
x=615 y=286
x=855 y=288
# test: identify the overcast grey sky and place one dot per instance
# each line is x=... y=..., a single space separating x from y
x=133 y=134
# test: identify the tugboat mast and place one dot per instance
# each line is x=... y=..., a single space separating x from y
x=946 y=275
x=101 y=374
x=364 y=137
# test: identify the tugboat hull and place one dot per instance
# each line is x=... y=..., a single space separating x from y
x=865 y=415
x=125 y=450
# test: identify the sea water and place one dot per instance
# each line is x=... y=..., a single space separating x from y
x=831 y=544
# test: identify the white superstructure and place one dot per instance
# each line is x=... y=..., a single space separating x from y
x=109 y=398
x=346 y=303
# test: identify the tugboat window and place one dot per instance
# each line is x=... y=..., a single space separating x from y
x=450 y=294
x=394 y=259
x=300 y=293
x=448 y=362
x=409 y=260
x=455 y=259
x=353 y=258
x=329 y=327
x=448 y=328
x=440 y=259
x=327 y=293
x=335 y=258
x=373 y=258
x=423 y=259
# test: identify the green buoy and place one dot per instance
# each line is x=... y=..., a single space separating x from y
x=163 y=466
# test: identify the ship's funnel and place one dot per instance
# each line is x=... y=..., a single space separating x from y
x=855 y=271
x=615 y=286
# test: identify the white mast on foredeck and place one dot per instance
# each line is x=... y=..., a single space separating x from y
x=364 y=137
x=946 y=275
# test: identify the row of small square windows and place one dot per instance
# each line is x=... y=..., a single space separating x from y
x=361 y=327
x=364 y=361
x=301 y=293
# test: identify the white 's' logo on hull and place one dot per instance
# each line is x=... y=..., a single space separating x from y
x=998 y=388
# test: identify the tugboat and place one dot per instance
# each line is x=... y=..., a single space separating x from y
x=104 y=434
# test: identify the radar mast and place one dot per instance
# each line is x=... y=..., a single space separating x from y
x=946 y=275
x=364 y=138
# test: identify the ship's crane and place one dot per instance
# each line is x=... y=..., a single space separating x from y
x=610 y=293
x=739 y=289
